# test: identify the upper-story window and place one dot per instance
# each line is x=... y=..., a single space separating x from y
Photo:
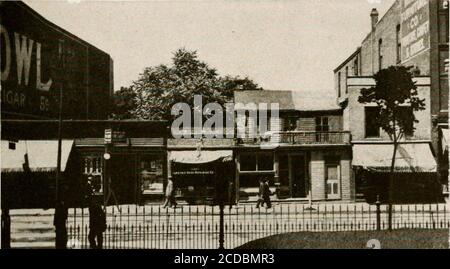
x=339 y=84
x=346 y=76
x=290 y=124
x=443 y=23
x=399 y=44
x=371 y=126
x=322 y=124
x=356 y=67
x=380 y=54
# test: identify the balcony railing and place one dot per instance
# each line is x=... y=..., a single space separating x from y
x=302 y=138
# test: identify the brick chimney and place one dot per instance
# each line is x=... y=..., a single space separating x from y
x=374 y=17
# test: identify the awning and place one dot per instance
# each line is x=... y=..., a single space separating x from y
x=413 y=157
x=42 y=155
x=201 y=156
x=445 y=139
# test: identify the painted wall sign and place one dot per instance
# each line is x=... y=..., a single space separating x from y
x=415 y=25
x=32 y=72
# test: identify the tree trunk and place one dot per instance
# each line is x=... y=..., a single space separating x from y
x=391 y=187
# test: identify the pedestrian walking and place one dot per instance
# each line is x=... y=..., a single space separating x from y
x=267 y=193
x=97 y=218
x=260 y=193
x=170 y=195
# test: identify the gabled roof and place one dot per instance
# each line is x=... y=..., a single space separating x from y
x=288 y=100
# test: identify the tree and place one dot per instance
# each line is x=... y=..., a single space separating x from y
x=158 y=88
x=396 y=97
x=124 y=101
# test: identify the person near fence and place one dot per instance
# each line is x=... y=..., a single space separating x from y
x=170 y=195
x=231 y=194
x=97 y=219
x=267 y=193
x=59 y=221
x=260 y=193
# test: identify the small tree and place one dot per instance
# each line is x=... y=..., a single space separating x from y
x=396 y=96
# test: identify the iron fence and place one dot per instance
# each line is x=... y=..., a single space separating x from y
x=197 y=227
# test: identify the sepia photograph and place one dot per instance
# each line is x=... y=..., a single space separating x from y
x=224 y=125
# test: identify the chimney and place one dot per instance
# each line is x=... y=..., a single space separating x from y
x=374 y=17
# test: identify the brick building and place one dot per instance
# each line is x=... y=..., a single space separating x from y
x=411 y=33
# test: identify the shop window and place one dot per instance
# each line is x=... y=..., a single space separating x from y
x=371 y=125
x=265 y=162
x=248 y=162
x=93 y=167
x=151 y=174
x=256 y=162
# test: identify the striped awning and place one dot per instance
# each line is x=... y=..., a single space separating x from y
x=411 y=157
x=200 y=156
x=37 y=155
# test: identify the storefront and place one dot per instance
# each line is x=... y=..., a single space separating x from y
x=200 y=176
x=30 y=176
x=415 y=172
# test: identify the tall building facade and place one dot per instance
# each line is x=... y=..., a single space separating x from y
x=411 y=33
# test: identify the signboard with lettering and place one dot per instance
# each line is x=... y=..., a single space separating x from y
x=38 y=59
x=415 y=28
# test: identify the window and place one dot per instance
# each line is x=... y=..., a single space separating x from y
x=346 y=76
x=399 y=44
x=356 y=67
x=248 y=162
x=289 y=124
x=371 y=125
x=322 y=124
x=151 y=174
x=380 y=54
x=253 y=162
x=443 y=26
x=93 y=167
x=339 y=84
x=265 y=162
x=409 y=130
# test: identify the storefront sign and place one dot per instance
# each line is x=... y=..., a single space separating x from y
x=415 y=28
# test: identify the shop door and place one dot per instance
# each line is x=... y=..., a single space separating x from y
x=123 y=179
x=298 y=177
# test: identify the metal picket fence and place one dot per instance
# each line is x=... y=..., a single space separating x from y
x=197 y=227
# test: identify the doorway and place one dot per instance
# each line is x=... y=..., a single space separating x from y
x=299 y=183
x=123 y=178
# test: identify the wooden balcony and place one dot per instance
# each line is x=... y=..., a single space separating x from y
x=302 y=138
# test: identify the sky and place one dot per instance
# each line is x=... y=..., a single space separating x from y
x=281 y=45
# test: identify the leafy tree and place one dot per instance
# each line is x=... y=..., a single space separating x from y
x=158 y=88
x=396 y=96
x=124 y=101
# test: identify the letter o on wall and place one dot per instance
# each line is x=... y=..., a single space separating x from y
x=5 y=36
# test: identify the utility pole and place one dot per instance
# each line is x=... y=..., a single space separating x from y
x=60 y=216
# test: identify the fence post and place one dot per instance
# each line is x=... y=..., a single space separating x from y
x=378 y=213
x=221 y=230
x=6 y=229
